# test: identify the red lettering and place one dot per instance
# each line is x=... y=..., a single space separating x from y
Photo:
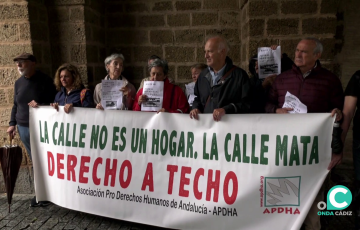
x=148 y=178
x=51 y=163
x=197 y=193
x=83 y=169
x=230 y=176
x=125 y=183
x=273 y=210
x=171 y=169
x=296 y=211
x=288 y=210
x=71 y=163
x=184 y=181
x=266 y=211
x=60 y=165
x=213 y=185
x=110 y=172
x=280 y=210
x=96 y=179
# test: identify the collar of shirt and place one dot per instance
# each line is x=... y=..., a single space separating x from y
x=108 y=77
x=216 y=76
x=308 y=72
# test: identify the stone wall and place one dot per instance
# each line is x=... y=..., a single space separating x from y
x=174 y=30
x=285 y=22
x=67 y=34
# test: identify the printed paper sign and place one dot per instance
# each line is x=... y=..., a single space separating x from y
x=154 y=90
x=111 y=96
x=269 y=61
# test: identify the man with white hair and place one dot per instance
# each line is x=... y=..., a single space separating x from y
x=222 y=88
x=317 y=88
x=33 y=88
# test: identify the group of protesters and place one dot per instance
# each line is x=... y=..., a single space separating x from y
x=220 y=88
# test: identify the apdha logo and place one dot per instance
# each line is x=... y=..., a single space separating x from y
x=280 y=193
x=338 y=198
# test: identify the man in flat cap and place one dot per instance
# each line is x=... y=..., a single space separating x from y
x=33 y=88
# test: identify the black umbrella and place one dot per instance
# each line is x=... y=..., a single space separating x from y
x=10 y=159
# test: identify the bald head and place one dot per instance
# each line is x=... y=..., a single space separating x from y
x=216 y=50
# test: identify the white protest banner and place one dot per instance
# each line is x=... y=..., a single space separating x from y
x=269 y=61
x=244 y=172
x=111 y=96
x=154 y=90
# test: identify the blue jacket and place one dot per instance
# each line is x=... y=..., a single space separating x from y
x=74 y=97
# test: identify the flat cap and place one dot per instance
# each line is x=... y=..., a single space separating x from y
x=25 y=56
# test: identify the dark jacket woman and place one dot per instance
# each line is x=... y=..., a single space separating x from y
x=74 y=97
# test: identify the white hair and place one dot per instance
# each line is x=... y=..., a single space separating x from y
x=112 y=57
x=223 y=44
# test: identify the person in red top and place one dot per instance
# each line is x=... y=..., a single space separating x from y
x=174 y=98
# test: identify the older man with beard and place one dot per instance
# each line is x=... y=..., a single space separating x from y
x=33 y=88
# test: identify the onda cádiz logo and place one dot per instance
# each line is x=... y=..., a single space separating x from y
x=280 y=195
x=338 y=198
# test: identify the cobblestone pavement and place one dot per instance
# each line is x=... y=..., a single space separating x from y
x=54 y=217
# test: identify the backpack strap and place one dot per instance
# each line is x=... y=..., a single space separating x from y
x=82 y=95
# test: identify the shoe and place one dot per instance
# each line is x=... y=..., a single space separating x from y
x=44 y=203
x=34 y=203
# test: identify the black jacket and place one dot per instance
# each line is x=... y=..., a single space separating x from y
x=233 y=94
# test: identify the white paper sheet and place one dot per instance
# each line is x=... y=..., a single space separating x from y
x=189 y=88
x=291 y=101
x=269 y=61
x=191 y=99
x=111 y=96
x=154 y=90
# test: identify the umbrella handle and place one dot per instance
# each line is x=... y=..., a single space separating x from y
x=11 y=138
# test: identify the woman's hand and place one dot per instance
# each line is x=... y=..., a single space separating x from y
x=55 y=106
x=68 y=107
x=99 y=106
x=142 y=98
x=162 y=110
x=126 y=90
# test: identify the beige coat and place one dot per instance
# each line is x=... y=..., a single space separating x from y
x=127 y=100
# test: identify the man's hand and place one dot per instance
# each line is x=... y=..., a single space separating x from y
x=335 y=160
x=126 y=91
x=162 y=110
x=55 y=106
x=194 y=114
x=99 y=106
x=142 y=98
x=338 y=114
x=273 y=47
x=33 y=104
x=218 y=113
x=11 y=131
x=283 y=110
x=68 y=107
